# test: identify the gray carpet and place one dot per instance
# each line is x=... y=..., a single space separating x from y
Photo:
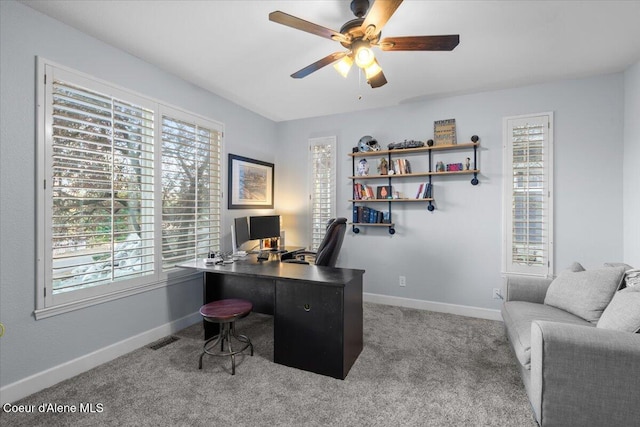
x=417 y=368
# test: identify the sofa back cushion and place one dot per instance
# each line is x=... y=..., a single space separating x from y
x=623 y=312
x=584 y=293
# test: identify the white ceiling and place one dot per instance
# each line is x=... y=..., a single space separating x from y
x=232 y=49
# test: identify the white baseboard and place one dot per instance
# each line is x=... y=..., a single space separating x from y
x=27 y=386
x=462 y=310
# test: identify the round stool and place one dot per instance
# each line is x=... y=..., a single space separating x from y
x=225 y=312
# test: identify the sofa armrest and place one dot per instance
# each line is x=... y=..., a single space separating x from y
x=582 y=375
x=527 y=288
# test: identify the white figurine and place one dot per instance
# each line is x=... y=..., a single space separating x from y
x=363 y=167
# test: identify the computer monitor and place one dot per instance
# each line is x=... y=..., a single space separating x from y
x=264 y=227
x=239 y=232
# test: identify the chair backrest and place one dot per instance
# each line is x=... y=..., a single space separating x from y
x=329 y=248
x=325 y=239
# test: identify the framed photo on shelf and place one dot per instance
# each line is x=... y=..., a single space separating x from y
x=384 y=192
x=250 y=183
x=444 y=132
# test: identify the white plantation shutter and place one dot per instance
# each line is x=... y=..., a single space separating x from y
x=191 y=220
x=322 y=167
x=101 y=162
x=127 y=188
x=528 y=160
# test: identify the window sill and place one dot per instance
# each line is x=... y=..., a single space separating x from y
x=43 y=313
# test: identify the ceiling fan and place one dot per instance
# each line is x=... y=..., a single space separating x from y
x=359 y=35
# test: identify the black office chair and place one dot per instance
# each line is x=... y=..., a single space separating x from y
x=329 y=248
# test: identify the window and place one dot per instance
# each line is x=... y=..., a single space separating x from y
x=130 y=188
x=190 y=190
x=528 y=201
x=322 y=166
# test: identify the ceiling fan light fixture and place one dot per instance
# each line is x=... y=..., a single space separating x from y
x=377 y=80
x=344 y=66
x=372 y=70
x=364 y=56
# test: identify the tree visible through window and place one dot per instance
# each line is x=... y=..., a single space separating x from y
x=130 y=188
x=102 y=189
x=190 y=191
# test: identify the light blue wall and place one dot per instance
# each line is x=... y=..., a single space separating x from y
x=29 y=346
x=453 y=255
x=631 y=209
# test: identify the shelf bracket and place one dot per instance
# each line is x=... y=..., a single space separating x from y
x=474 y=180
x=430 y=208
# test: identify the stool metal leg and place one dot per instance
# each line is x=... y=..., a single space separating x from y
x=215 y=340
x=241 y=338
x=227 y=330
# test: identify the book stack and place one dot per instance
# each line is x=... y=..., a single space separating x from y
x=362 y=192
x=401 y=166
x=367 y=215
x=424 y=191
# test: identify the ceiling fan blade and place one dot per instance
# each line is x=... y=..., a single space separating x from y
x=377 y=80
x=420 y=42
x=378 y=15
x=318 y=64
x=300 y=24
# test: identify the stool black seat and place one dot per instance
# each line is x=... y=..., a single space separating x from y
x=225 y=313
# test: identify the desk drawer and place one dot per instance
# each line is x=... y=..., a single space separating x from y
x=309 y=327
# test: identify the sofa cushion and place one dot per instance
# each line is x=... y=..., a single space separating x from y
x=623 y=312
x=631 y=275
x=518 y=316
x=585 y=293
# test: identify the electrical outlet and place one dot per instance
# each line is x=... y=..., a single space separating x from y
x=402 y=281
x=497 y=293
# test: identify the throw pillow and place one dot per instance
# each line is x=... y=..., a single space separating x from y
x=585 y=293
x=575 y=267
x=618 y=264
x=631 y=275
x=632 y=278
x=623 y=312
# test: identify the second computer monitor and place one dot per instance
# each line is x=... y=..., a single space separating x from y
x=241 y=230
x=264 y=227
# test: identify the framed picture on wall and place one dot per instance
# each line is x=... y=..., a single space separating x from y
x=250 y=183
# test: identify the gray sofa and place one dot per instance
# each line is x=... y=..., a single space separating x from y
x=576 y=372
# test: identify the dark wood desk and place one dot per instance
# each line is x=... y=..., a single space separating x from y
x=317 y=310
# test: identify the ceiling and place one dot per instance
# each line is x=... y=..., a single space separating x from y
x=232 y=49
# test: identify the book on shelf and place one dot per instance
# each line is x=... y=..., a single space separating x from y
x=362 y=192
x=424 y=191
x=427 y=191
x=367 y=215
x=401 y=166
